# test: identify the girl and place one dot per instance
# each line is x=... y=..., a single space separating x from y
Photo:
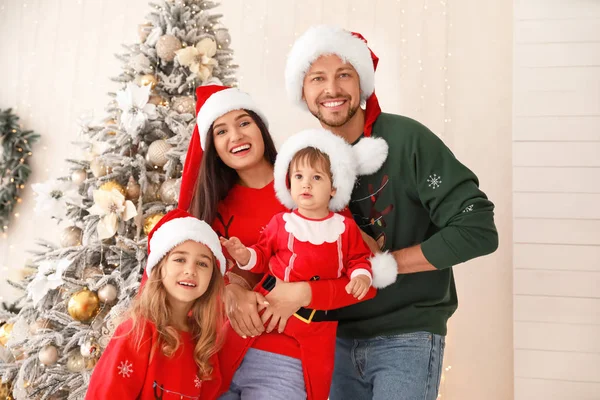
x=314 y=174
x=167 y=348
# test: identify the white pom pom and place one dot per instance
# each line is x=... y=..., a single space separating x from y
x=385 y=269
x=370 y=154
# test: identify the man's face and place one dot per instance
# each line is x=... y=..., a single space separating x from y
x=331 y=90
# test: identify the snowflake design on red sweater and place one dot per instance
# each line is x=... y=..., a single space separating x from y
x=125 y=369
x=197 y=382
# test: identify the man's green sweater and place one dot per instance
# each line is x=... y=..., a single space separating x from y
x=421 y=195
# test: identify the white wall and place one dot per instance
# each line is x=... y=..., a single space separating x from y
x=447 y=65
x=556 y=193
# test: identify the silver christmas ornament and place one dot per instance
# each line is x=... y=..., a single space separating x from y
x=79 y=176
x=157 y=153
x=184 y=105
x=166 y=47
x=71 y=236
x=169 y=192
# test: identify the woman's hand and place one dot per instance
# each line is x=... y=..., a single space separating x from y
x=284 y=300
x=242 y=307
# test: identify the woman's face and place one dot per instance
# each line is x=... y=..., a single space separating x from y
x=238 y=140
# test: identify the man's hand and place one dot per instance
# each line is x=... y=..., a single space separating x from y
x=242 y=307
x=236 y=249
x=284 y=300
x=358 y=286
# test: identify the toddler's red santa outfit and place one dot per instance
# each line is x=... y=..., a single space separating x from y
x=295 y=248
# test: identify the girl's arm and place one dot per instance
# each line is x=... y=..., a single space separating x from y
x=121 y=370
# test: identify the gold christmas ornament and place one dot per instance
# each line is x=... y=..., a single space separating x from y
x=148 y=79
x=157 y=152
x=168 y=191
x=39 y=324
x=108 y=294
x=151 y=221
x=6 y=391
x=90 y=349
x=98 y=168
x=110 y=185
x=48 y=355
x=79 y=176
x=166 y=47
x=132 y=191
x=144 y=31
x=75 y=362
x=184 y=105
x=84 y=305
x=90 y=363
x=5 y=331
x=157 y=100
x=152 y=192
x=71 y=236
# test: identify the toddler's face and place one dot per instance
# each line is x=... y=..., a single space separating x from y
x=311 y=187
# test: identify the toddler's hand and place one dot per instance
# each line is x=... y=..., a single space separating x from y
x=358 y=286
x=236 y=249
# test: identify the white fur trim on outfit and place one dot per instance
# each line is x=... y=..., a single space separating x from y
x=321 y=40
x=315 y=232
x=177 y=231
x=251 y=263
x=346 y=163
x=385 y=269
x=219 y=104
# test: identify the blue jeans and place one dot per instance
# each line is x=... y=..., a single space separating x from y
x=265 y=376
x=406 y=367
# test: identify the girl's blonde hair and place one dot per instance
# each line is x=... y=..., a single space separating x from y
x=206 y=318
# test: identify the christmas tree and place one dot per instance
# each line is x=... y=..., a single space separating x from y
x=80 y=287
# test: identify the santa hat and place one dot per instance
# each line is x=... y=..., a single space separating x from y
x=347 y=162
x=349 y=46
x=213 y=101
x=176 y=227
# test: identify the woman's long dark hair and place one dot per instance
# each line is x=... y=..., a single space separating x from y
x=216 y=179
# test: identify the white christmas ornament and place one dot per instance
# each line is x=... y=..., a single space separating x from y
x=133 y=101
x=107 y=294
x=44 y=282
x=48 y=355
x=53 y=197
x=139 y=63
x=111 y=206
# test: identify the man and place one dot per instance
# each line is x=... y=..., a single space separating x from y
x=423 y=205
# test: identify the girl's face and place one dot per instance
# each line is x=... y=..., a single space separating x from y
x=238 y=140
x=311 y=189
x=186 y=272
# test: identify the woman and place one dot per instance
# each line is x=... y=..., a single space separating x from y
x=228 y=181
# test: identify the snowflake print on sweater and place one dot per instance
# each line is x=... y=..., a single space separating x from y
x=125 y=369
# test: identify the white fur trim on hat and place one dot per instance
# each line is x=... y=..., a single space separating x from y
x=177 y=231
x=385 y=269
x=321 y=40
x=344 y=164
x=219 y=104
